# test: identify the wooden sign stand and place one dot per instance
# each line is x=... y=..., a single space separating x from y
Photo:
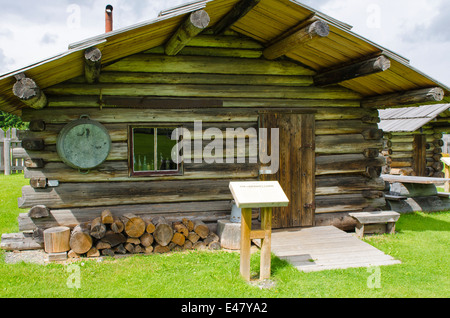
x=264 y=195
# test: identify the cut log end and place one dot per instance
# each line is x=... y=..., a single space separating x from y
x=319 y=28
x=80 y=240
x=56 y=239
x=134 y=225
x=200 y=19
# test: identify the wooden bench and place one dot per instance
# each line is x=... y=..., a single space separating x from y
x=411 y=179
x=444 y=195
x=375 y=222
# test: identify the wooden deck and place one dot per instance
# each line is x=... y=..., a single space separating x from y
x=324 y=248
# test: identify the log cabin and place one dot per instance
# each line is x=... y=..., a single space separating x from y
x=413 y=139
x=243 y=65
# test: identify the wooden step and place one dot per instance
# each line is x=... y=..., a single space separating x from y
x=375 y=222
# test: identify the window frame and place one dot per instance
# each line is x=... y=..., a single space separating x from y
x=152 y=173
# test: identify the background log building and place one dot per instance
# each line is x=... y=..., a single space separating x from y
x=230 y=64
x=414 y=139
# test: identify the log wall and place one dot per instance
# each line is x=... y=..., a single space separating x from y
x=226 y=82
x=403 y=156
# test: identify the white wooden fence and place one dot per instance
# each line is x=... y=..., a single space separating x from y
x=9 y=141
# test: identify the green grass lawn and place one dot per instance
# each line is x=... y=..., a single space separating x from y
x=421 y=244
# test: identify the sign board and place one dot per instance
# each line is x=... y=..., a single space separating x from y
x=258 y=194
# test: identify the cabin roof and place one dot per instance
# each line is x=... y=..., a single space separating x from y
x=409 y=119
x=266 y=23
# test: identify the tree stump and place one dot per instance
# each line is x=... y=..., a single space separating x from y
x=56 y=239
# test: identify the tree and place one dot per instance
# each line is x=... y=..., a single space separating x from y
x=11 y=121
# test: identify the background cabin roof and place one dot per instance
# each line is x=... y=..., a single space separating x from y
x=409 y=119
x=266 y=23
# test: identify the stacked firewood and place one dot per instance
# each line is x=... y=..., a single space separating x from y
x=108 y=235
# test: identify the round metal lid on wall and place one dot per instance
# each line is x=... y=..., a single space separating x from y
x=83 y=144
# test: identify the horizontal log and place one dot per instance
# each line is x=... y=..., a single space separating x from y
x=426 y=95
x=402 y=163
x=341 y=220
x=348 y=163
x=342 y=144
x=401 y=154
x=199 y=79
x=90 y=101
x=340 y=127
x=207 y=211
x=204 y=40
x=205 y=91
x=345 y=184
x=119 y=151
x=117 y=171
x=409 y=138
x=107 y=194
x=166 y=116
x=347 y=202
x=19 y=242
x=117 y=132
x=206 y=65
x=129 y=115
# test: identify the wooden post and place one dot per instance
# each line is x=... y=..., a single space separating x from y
x=246 y=227
x=266 y=226
x=7 y=153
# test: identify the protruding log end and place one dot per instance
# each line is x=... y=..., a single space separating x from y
x=313 y=31
x=196 y=23
x=200 y=19
x=319 y=29
x=92 y=64
x=29 y=92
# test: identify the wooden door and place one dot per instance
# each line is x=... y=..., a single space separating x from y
x=296 y=173
x=419 y=155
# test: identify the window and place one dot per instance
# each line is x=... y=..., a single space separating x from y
x=151 y=151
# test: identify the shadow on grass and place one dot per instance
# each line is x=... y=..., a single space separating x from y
x=422 y=221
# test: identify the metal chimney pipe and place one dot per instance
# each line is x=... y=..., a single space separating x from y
x=108 y=18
